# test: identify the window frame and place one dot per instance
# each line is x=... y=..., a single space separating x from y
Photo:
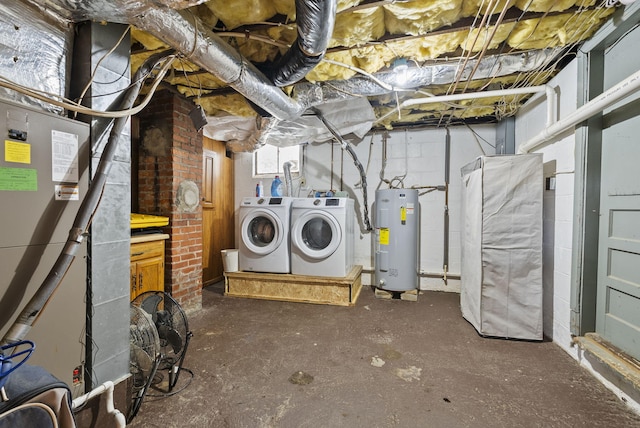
x=262 y=175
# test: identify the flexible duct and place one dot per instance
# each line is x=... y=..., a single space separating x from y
x=288 y=182
x=184 y=32
x=312 y=94
x=315 y=20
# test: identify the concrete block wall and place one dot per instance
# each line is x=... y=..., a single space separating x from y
x=559 y=164
x=420 y=154
x=170 y=156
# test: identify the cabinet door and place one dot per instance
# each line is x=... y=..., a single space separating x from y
x=150 y=274
x=147 y=267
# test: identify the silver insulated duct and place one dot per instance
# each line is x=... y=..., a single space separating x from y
x=185 y=33
x=169 y=21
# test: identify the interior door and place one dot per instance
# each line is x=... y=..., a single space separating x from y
x=217 y=208
x=618 y=315
x=618 y=290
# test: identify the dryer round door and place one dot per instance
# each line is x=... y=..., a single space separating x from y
x=262 y=231
x=316 y=234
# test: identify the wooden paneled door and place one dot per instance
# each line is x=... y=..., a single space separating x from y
x=218 y=208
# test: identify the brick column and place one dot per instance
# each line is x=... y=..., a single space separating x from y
x=170 y=161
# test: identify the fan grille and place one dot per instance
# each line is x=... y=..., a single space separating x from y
x=144 y=346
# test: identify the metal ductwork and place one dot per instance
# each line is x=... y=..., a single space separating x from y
x=185 y=33
x=312 y=94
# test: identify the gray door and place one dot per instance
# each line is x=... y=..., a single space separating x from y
x=618 y=291
x=618 y=317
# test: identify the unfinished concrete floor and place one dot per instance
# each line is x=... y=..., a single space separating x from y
x=381 y=363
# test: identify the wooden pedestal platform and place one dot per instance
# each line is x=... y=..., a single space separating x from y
x=295 y=288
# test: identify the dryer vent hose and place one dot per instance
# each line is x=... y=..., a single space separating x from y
x=288 y=182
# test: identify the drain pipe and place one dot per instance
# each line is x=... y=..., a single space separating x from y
x=107 y=389
x=614 y=94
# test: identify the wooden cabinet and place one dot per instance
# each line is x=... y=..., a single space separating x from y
x=147 y=264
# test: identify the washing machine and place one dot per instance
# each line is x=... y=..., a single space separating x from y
x=265 y=234
x=322 y=236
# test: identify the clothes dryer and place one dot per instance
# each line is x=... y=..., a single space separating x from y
x=322 y=236
x=265 y=235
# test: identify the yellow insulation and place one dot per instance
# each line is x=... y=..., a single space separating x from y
x=286 y=8
x=234 y=13
x=357 y=31
x=286 y=34
x=255 y=50
x=201 y=80
x=499 y=106
x=359 y=27
x=234 y=104
x=346 y=4
x=327 y=71
x=479 y=37
x=428 y=47
x=483 y=7
x=551 y=5
x=420 y=16
x=147 y=40
x=206 y=15
x=557 y=30
x=372 y=58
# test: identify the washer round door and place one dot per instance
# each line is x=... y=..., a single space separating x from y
x=262 y=232
x=316 y=234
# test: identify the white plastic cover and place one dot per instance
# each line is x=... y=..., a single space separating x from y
x=501 y=284
x=353 y=116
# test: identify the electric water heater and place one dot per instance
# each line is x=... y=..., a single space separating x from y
x=397 y=220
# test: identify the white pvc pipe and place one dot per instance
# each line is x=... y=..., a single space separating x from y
x=474 y=95
x=552 y=102
x=614 y=94
x=484 y=94
x=107 y=387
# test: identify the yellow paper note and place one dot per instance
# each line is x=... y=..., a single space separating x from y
x=17 y=152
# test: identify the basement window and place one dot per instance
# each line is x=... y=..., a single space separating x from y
x=268 y=160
